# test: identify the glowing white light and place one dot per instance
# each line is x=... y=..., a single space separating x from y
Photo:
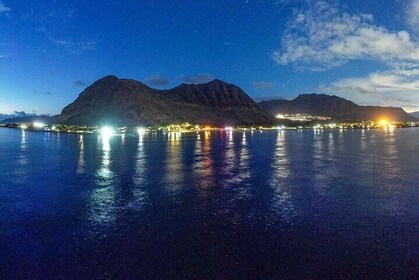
x=38 y=125
x=141 y=130
x=228 y=128
x=23 y=126
x=54 y=128
x=107 y=131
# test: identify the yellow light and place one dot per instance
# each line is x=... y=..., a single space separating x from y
x=383 y=122
x=23 y=126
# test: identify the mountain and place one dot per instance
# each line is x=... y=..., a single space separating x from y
x=115 y=101
x=335 y=107
x=16 y=114
x=415 y=114
x=29 y=119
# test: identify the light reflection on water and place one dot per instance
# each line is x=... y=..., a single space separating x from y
x=174 y=163
x=203 y=163
x=81 y=164
x=23 y=160
x=212 y=188
x=102 y=201
x=282 y=200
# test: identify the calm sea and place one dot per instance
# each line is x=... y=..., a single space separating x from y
x=274 y=204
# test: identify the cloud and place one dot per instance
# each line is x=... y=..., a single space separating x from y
x=73 y=46
x=263 y=85
x=54 y=23
x=412 y=12
x=80 y=83
x=380 y=88
x=17 y=114
x=321 y=37
x=4 y=8
x=197 y=79
x=157 y=80
x=20 y=114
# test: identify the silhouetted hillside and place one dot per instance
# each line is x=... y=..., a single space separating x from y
x=128 y=102
x=335 y=107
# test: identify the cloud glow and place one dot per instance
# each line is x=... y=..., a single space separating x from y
x=322 y=37
x=3 y=8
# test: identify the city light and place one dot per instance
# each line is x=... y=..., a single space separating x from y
x=141 y=130
x=38 y=125
x=23 y=126
x=107 y=131
x=383 y=122
x=302 y=117
x=228 y=128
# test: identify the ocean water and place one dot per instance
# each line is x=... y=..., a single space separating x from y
x=289 y=204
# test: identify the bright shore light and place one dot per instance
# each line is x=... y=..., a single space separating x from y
x=141 y=130
x=383 y=122
x=107 y=131
x=38 y=125
x=228 y=128
x=24 y=126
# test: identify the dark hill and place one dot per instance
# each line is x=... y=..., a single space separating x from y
x=335 y=107
x=128 y=102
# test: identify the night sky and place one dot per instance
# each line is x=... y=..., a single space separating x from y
x=365 y=51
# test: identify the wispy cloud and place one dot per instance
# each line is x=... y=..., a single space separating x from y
x=263 y=85
x=380 y=88
x=412 y=12
x=80 y=83
x=54 y=22
x=321 y=37
x=75 y=47
x=197 y=79
x=4 y=8
x=157 y=80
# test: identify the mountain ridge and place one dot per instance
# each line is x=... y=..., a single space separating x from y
x=337 y=108
x=130 y=102
x=415 y=114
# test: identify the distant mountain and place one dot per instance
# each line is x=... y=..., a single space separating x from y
x=415 y=114
x=29 y=119
x=15 y=114
x=111 y=100
x=335 y=107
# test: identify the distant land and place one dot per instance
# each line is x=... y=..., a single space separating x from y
x=337 y=108
x=125 y=102
x=415 y=114
x=15 y=114
x=29 y=119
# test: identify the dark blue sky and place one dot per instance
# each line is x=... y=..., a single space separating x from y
x=366 y=51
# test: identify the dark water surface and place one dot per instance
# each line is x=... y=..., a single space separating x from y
x=273 y=204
